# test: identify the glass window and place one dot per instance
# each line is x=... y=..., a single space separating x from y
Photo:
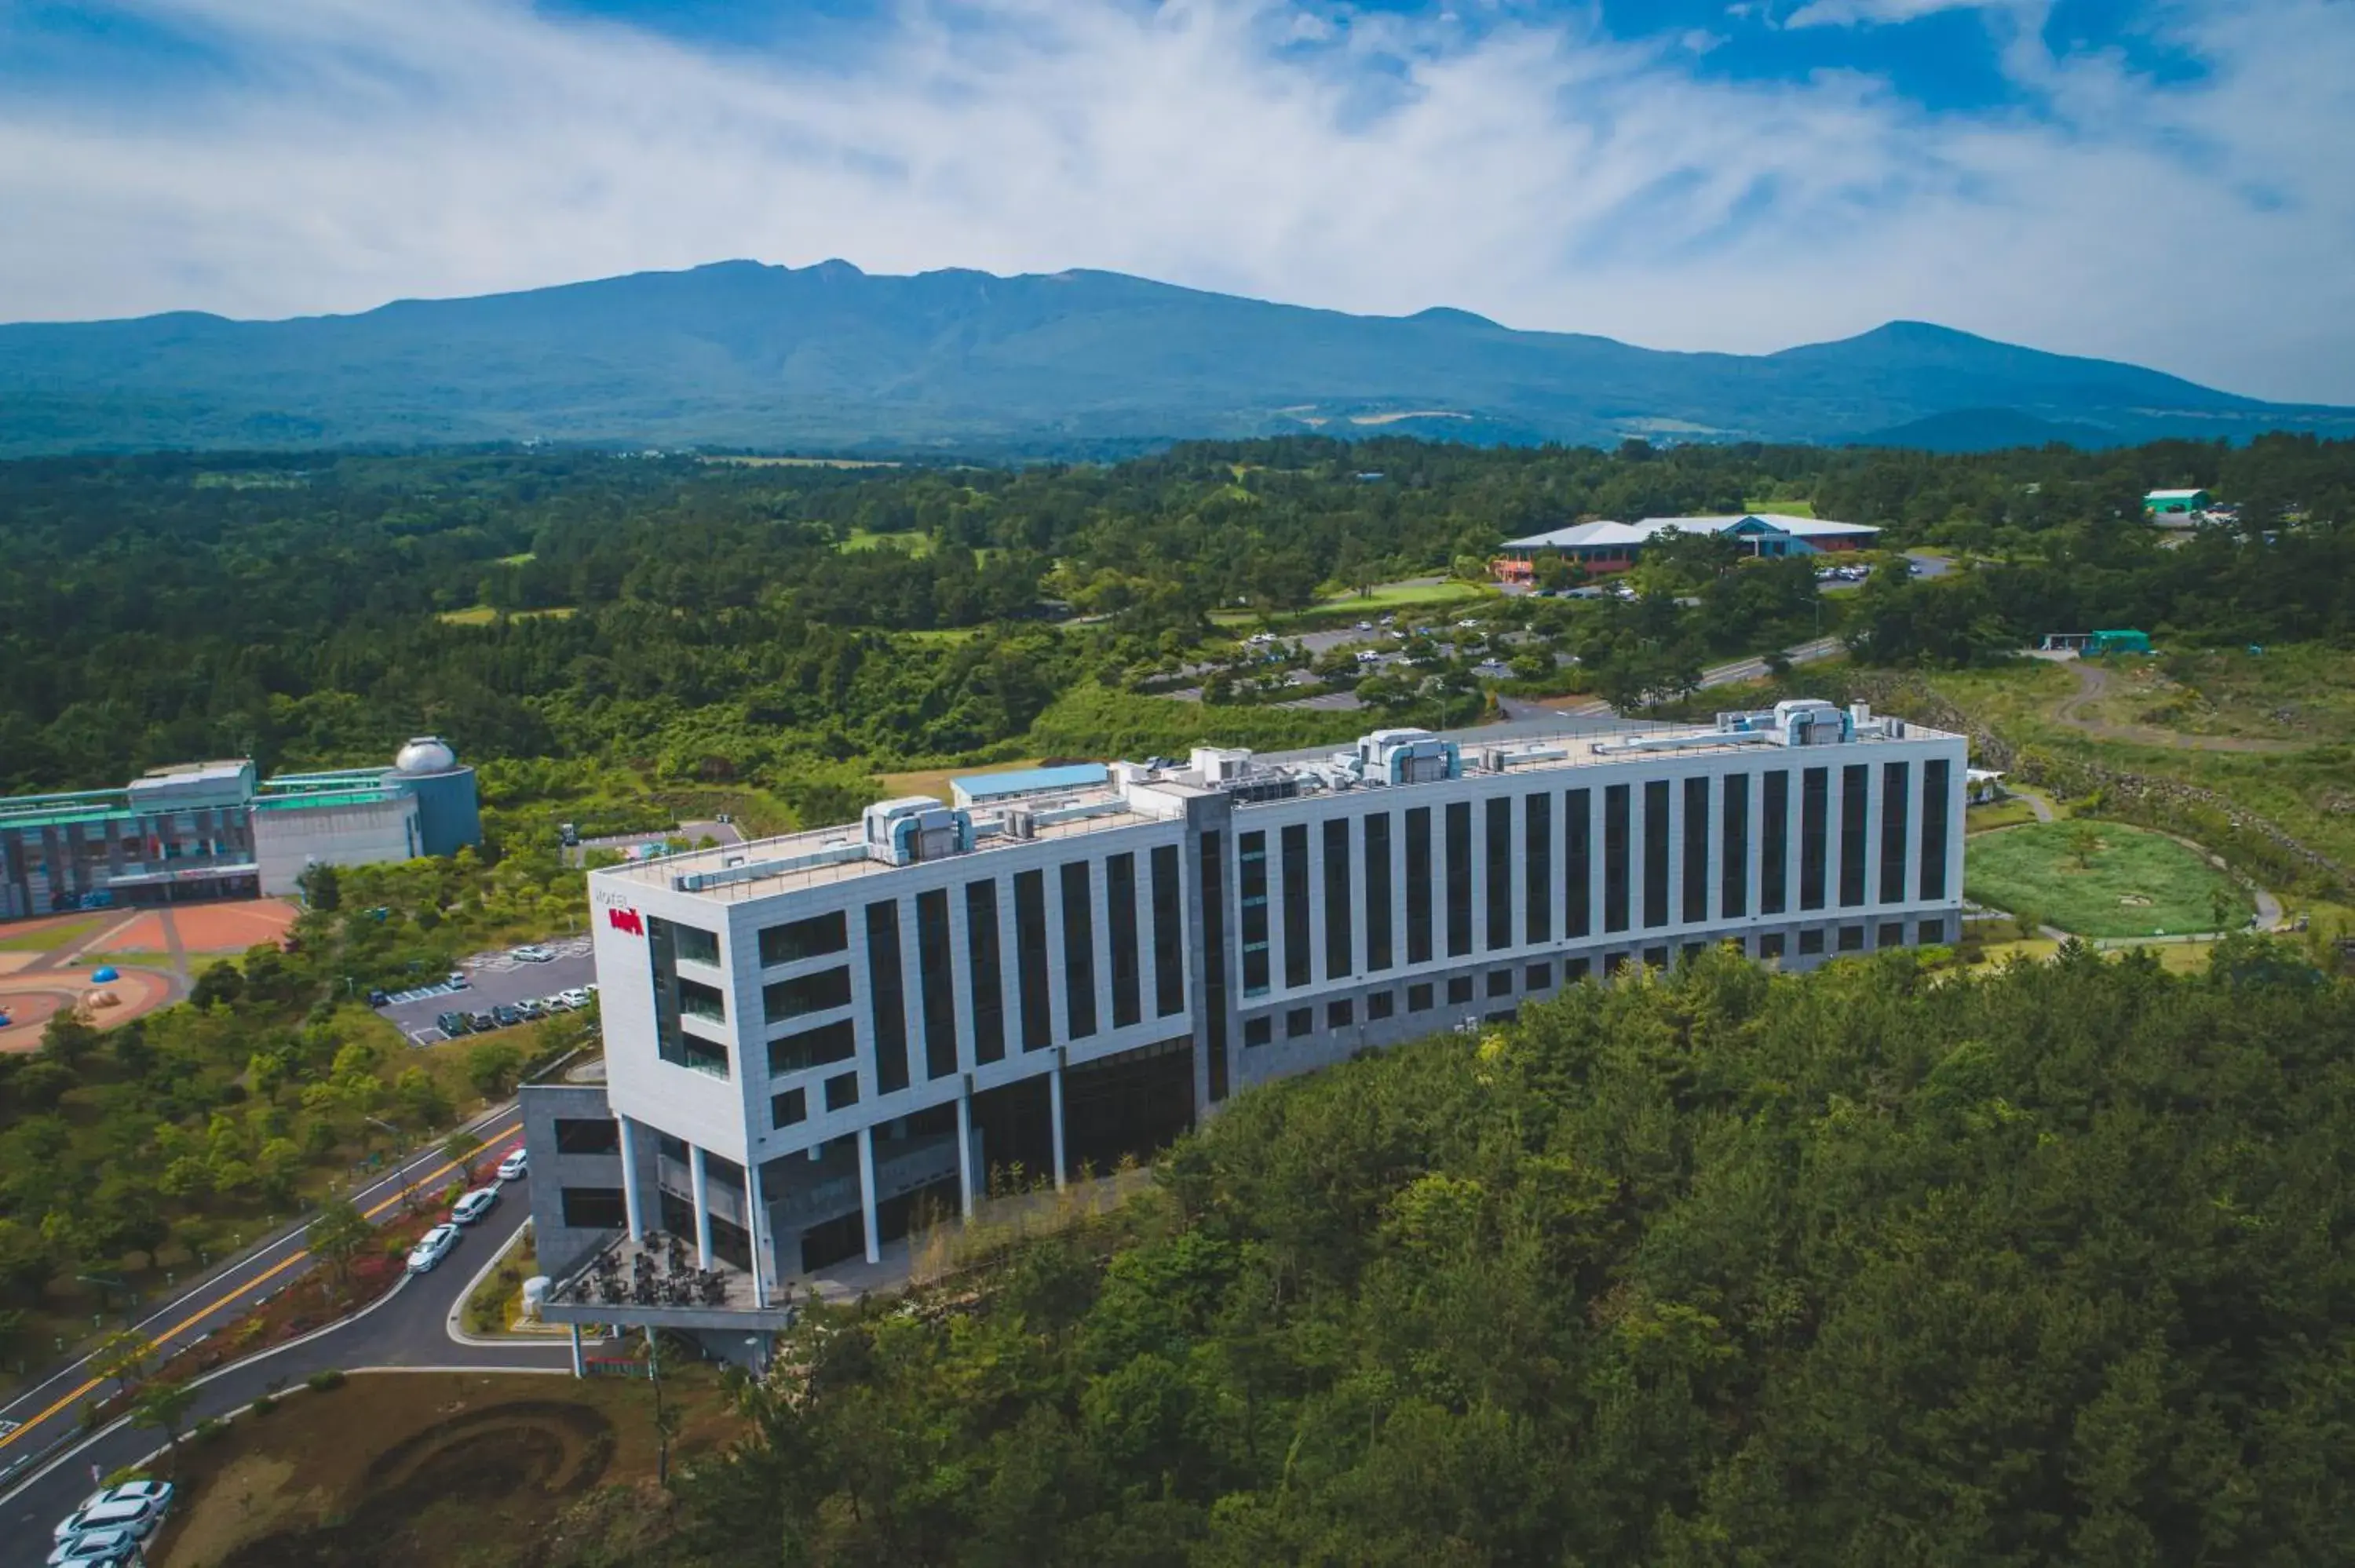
x=836 y=1042
x=1030 y=959
x=1418 y=998
x=1500 y=873
x=984 y=973
x=1298 y=1021
x=1575 y=969
x=1500 y=982
x=1214 y=961
x=696 y=999
x=588 y=1135
x=1536 y=874
x=695 y=945
x=1811 y=941
x=1079 y=951
x=1340 y=1014
x=1930 y=933
x=1935 y=804
x=595 y=1208
x=1418 y=884
x=1656 y=958
x=1538 y=977
x=1120 y=918
x=1855 y=784
x=1258 y=1030
x=806 y=993
x=1251 y=874
x=1695 y=879
x=789 y=1107
x=936 y=977
x=1295 y=906
x=1577 y=858
x=1770 y=946
x=1656 y=852
x=1851 y=938
x=799 y=939
x=842 y=1091
x=1169 y=934
x=1459 y=879
x=1614 y=857
x=1892 y=934
x=1774 y=844
x=1339 y=934
x=1460 y=988
x=1382 y=1004
x=1378 y=891
x=1733 y=849
x=1815 y=827
x=1896 y=795
x=887 y=996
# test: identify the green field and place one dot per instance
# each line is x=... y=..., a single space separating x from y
x=1782 y=508
x=2134 y=884
x=917 y=544
x=484 y=615
x=42 y=939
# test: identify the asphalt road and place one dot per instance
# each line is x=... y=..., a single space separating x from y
x=53 y=1406
x=406 y=1328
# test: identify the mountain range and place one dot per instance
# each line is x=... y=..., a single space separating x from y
x=742 y=354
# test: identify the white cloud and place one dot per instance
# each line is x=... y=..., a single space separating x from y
x=1849 y=13
x=1548 y=177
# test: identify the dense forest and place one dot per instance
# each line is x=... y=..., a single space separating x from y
x=1868 y=1266
x=761 y=621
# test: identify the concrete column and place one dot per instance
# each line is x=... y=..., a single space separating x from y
x=700 y=1188
x=633 y=1207
x=1055 y=1114
x=756 y=1221
x=576 y=1369
x=965 y=1146
x=866 y=1195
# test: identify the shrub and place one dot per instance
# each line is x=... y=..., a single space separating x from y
x=263 y=1405
x=325 y=1378
x=208 y=1429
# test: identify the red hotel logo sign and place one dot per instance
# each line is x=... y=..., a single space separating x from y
x=625 y=920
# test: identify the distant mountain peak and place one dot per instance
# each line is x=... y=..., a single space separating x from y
x=1443 y=314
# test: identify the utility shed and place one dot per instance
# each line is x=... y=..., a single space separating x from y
x=2118 y=643
x=983 y=788
x=2159 y=501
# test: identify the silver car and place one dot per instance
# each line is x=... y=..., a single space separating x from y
x=432 y=1248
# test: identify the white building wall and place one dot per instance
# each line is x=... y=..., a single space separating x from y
x=287 y=839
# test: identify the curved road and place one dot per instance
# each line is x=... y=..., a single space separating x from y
x=407 y=1327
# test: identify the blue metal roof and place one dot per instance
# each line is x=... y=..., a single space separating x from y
x=1030 y=780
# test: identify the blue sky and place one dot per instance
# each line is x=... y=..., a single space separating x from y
x=2168 y=182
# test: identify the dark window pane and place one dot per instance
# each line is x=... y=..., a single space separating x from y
x=984 y=972
x=1119 y=917
x=836 y=1042
x=1614 y=857
x=1382 y=1004
x=1418 y=884
x=1169 y=934
x=842 y=1092
x=806 y=993
x=1936 y=783
x=1696 y=851
x=1258 y=1030
x=1250 y=873
x=1300 y=1021
x=1459 y=879
x=1855 y=787
x=936 y=970
x=1295 y=906
x=1079 y=951
x=789 y=1107
x=887 y=998
x=1815 y=827
x=1030 y=959
x=1339 y=928
x=1733 y=849
x=1500 y=873
x=810 y=938
x=1418 y=998
x=1577 y=863
x=1896 y=798
x=1774 y=844
x=1378 y=891
x=1537 y=873
x=595 y=1208
x=1340 y=1014
x=1656 y=852
x=1214 y=963
x=588 y=1135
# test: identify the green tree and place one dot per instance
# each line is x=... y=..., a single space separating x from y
x=492 y=1067
x=339 y=1233
x=164 y=1407
x=123 y=1357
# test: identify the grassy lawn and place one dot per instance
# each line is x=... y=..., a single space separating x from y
x=484 y=615
x=2133 y=883
x=1390 y=596
x=2001 y=814
x=42 y=939
x=1782 y=508
x=942 y=634
x=918 y=545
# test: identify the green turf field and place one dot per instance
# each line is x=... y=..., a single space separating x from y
x=2133 y=883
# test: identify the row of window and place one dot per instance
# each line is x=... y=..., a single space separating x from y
x=1461 y=990
x=1527 y=891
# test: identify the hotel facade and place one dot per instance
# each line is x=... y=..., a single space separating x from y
x=810 y=1041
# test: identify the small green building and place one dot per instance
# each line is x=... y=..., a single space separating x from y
x=2163 y=501
x=2117 y=642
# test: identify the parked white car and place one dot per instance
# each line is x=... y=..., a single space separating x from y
x=533 y=953
x=577 y=997
x=97 y=1548
x=515 y=1166
x=135 y=1515
x=467 y=1210
x=432 y=1248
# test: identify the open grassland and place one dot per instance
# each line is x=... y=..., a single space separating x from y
x=916 y=545
x=2309 y=792
x=484 y=615
x=397 y=1468
x=2101 y=879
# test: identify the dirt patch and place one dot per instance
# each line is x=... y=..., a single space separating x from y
x=207 y=928
x=401 y=1469
x=30 y=997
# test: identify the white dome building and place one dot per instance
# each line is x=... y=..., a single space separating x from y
x=425 y=753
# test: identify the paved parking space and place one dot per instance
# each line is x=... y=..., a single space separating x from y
x=494 y=980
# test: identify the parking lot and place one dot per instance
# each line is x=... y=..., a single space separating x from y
x=492 y=979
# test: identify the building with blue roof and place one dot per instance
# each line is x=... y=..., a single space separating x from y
x=987 y=788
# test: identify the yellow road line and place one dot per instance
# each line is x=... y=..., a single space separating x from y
x=263 y=1278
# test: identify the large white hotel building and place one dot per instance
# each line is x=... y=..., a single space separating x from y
x=808 y=1037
